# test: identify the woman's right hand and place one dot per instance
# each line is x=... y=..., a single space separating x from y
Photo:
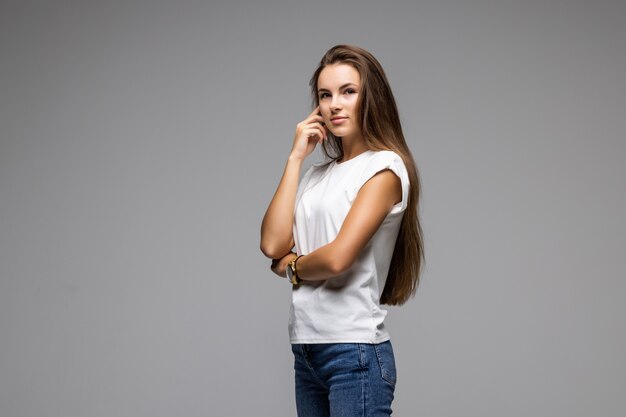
x=309 y=133
x=279 y=266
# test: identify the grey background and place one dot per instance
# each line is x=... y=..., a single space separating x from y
x=142 y=141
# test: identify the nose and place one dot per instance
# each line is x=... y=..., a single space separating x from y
x=334 y=104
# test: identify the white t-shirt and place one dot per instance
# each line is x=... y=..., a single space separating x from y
x=344 y=308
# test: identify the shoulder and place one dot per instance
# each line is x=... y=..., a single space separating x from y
x=386 y=159
x=386 y=156
x=313 y=174
x=392 y=161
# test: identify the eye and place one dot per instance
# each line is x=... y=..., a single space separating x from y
x=350 y=90
x=323 y=95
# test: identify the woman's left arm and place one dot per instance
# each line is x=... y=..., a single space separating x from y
x=371 y=205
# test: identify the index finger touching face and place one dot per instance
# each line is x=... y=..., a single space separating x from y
x=315 y=111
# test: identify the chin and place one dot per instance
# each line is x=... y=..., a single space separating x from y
x=342 y=133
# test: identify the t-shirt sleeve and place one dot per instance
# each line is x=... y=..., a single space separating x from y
x=381 y=161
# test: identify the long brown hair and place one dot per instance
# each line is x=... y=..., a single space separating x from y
x=377 y=114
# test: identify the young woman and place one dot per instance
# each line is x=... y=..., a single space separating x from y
x=353 y=220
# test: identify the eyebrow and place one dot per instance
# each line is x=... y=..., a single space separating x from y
x=343 y=86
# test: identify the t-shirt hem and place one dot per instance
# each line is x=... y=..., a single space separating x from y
x=341 y=340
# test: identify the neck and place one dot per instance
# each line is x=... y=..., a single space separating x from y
x=352 y=147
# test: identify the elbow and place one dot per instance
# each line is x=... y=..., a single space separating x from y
x=340 y=262
x=336 y=268
x=272 y=252
x=268 y=251
x=343 y=254
x=339 y=266
x=267 y=247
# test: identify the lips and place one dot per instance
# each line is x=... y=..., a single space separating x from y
x=336 y=121
x=338 y=118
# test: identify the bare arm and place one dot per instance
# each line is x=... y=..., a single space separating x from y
x=372 y=204
x=277 y=226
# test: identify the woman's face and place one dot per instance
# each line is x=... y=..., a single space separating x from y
x=338 y=87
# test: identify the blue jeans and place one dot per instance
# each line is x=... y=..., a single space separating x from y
x=344 y=379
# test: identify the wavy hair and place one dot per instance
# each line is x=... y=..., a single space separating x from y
x=377 y=115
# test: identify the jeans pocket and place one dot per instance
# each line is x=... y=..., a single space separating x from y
x=386 y=361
